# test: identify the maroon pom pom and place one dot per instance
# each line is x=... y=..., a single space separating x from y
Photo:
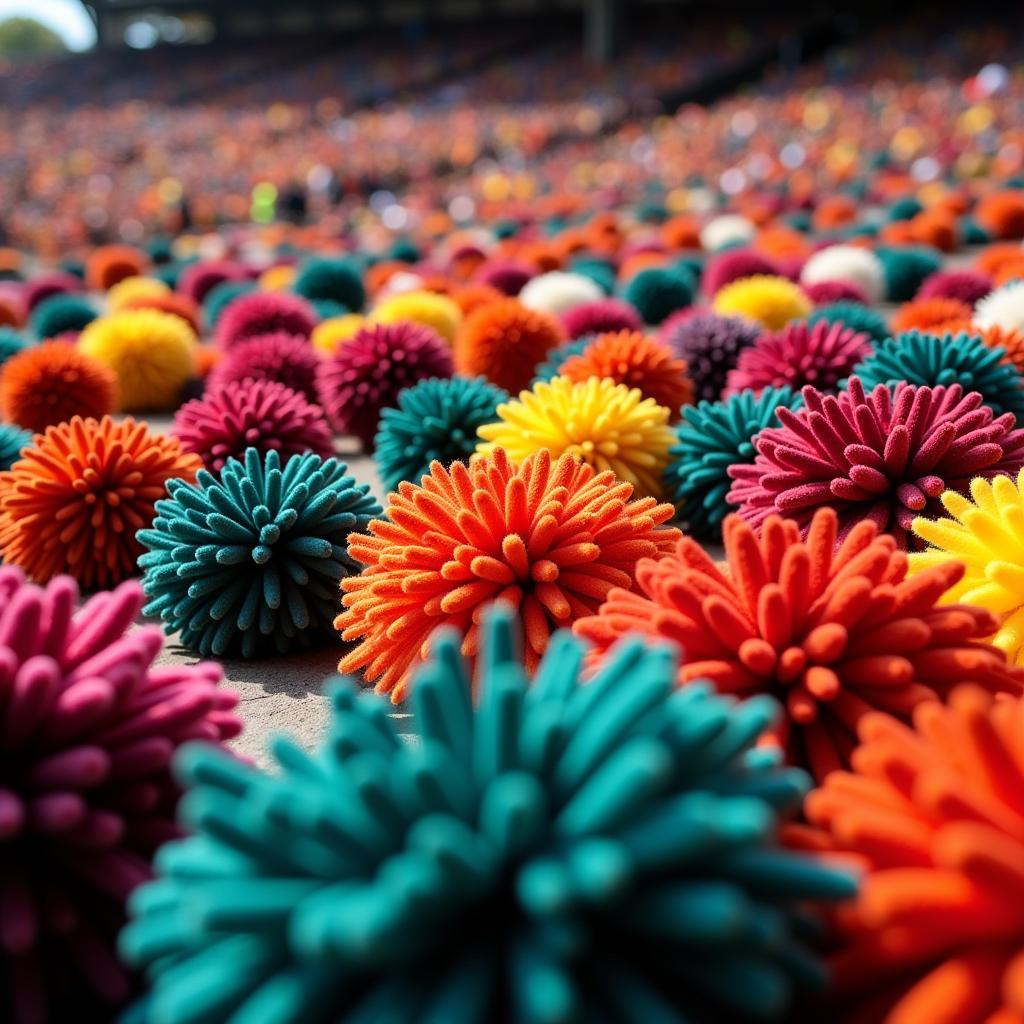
x=966 y=285
x=508 y=276
x=48 y=285
x=258 y=313
x=365 y=375
x=885 y=457
x=605 y=317
x=251 y=414
x=825 y=292
x=733 y=265
x=285 y=358
x=199 y=279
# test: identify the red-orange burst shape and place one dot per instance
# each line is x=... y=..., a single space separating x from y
x=74 y=500
x=936 y=815
x=631 y=358
x=504 y=342
x=551 y=538
x=927 y=314
x=831 y=635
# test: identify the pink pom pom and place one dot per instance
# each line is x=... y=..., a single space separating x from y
x=733 y=265
x=250 y=316
x=605 y=317
x=287 y=359
x=965 y=285
x=199 y=279
x=825 y=292
x=508 y=276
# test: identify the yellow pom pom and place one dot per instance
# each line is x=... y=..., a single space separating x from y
x=277 y=279
x=151 y=353
x=329 y=335
x=771 y=301
x=132 y=288
x=607 y=425
x=986 y=534
x=427 y=308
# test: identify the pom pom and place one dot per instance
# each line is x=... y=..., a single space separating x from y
x=259 y=313
x=852 y=263
x=12 y=343
x=834 y=633
x=1003 y=308
x=282 y=358
x=552 y=366
x=330 y=334
x=73 y=501
x=177 y=305
x=249 y=562
x=884 y=456
x=733 y=265
x=725 y=231
x=932 y=360
x=435 y=420
x=366 y=375
x=658 y=292
x=52 y=382
x=967 y=286
x=537 y=857
x=132 y=288
x=770 y=301
x=549 y=537
x=39 y=289
x=712 y=437
x=933 y=813
x=710 y=346
x=601 y=317
x=61 y=314
x=12 y=440
x=906 y=269
x=608 y=425
x=90 y=726
x=150 y=353
x=221 y=296
x=508 y=276
x=854 y=316
x=926 y=314
x=630 y=358
x=109 y=264
x=438 y=312
x=827 y=292
x=558 y=292
x=821 y=355
x=202 y=281
x=251 y=414
x=1001 y=214
x=505 y=342
x=332 y=279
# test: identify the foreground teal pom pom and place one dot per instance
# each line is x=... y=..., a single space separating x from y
x=857 y=317
x=560 y=853
x=249 y=562
x=435 y=419
x=711 y=437
x=930 y=360
x=12 y=440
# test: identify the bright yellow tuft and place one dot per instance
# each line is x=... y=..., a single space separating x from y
x=427 y=308
x=132 y=288
x=987 y=535
x=607 y=425
x=329 y=335
x=277 y=279
x=151 y=353
x=771 y=301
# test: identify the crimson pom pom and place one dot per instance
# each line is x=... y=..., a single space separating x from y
x=734 y=264
x=824 y=293
x=257 y=313
x=86 y=797
x=603 y=317
x=285 y=358
x=822 y=355
x=885 y=457
x=366 y=374
x=199 y=279
x=508 y=276
x=47 y=285
x=251 y=414
x=832 y=633
x=968 y=286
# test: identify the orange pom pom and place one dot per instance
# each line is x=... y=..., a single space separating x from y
x=49 y=383
x=681 y=233
x=1001 y=214
x=927 y=314
x=935 y=813
x=551 y=538
x=504 y=342
x=831 y=633
x=73 y=502
x=470 y=297
x=994 y=336
x=630 y=358
x=993 y=257
x=112 y=263
x=178 y=305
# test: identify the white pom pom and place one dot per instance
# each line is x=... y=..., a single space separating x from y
x=729 y=229
x=557 y=292
x=1003 y=308
x=849 y=263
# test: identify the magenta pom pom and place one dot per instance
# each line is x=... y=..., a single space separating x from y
x=965 y=285
x=251 y=414
x=86 y=795
x=366 y=374
x=252 y=315
x=884 y=456
x=508 y=276
x=47 y=285
x=822 y=356
x=733 y=265
x=288 y=359
x=604 y=317
x=823 y=293
x=199 y=279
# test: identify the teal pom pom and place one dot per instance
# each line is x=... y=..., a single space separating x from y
x=434 y=419
x=328 y=308
x=250 y=562
x=558 y=853
x=905 y=208
x=854 y=315
x=220 y=296
x=61 y=313
x=658 y=292
x=930 y=360
x=973 y=233
x=334 y=279
x=12 y=440
x=711 y=437
x=11 y=343
x=905 y=268
x=404 y=250
x=600 y=271
x=556 y=357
